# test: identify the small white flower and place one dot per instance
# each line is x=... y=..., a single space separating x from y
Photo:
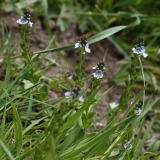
x=81 y=99
x=87 y=48
x=145 y=55
x=78 y=44
x=67 y=94
x=98 y=74
x=30 y=24
x=137 y=111
x=140 y=50
x=128 y=145
x=22 y=20
x=69 y=77
x=113 y=105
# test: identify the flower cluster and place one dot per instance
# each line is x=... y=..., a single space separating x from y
x=25 y=19
x=83 y=44
x=74 y=93
x=100 y=67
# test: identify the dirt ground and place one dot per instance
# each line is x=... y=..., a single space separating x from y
x=39 y=39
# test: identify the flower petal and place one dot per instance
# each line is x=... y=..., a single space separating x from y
x=94 y=67
x=77 y=45
x=67 y=94
x=113 y=105
x=73 y=94
x=22 y=20
x=87 y=50
x=69 y=77
x=137 y=111
x=81 y=99
x=30 y=24
x=134 y=50
x=101 y=75
x=143 y=51
x=94 y=75
x=145 y=55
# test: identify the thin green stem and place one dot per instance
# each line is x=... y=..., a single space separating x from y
x=143 y=78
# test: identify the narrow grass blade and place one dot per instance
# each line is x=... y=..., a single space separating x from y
x=105 y=34
x=6 y=150
x=142 y=142
x=32 y=125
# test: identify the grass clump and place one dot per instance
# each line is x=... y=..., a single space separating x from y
x=60 y=130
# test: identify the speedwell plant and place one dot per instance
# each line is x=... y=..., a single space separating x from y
x=66 y=128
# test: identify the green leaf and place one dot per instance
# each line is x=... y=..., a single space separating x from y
x=154 y=146
x=27 y=84
x=84 y=120
x=25 y=3
x=105 y=34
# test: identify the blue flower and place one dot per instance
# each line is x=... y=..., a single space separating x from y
x=23 y=20
x=127 y=145
x=74 y=93
x=98 y=74
x=139 y=50
x=137 y=111
x=85 y=45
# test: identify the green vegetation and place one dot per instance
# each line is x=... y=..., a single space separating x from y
x=34 y=128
